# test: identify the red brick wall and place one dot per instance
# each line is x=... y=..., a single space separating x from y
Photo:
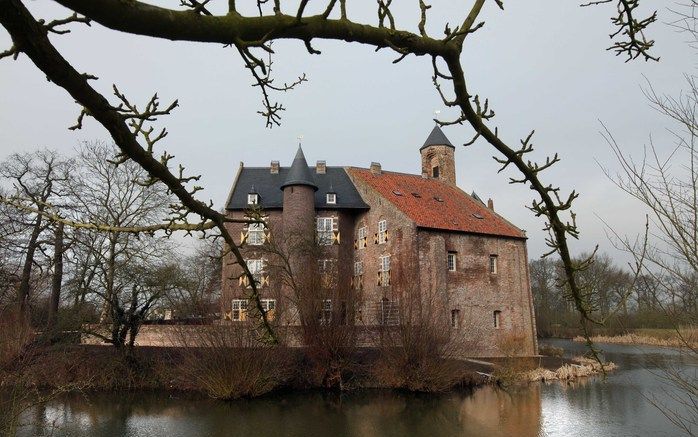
x=444 y=158
x=477 y=293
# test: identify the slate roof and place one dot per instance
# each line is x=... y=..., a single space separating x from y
x=268 y=186
x=299 y=173
x=434 y=204
x=437 y=138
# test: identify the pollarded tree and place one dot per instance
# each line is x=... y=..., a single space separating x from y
x=251 y=36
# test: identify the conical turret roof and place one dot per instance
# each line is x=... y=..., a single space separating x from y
x=437 y=138
x=299 y=173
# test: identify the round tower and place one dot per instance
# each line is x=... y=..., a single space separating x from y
x=438 y=160
x=299 y=200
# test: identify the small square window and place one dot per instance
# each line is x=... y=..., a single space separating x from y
x=493 y=264
x=239 y=310
x=331 y=198
x=253 y=199
x=451 y=261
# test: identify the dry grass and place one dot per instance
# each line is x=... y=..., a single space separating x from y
x=569 y=372
x=684 y=337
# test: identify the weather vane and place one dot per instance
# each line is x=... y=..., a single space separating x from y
x=436 y=115
x=300 y=139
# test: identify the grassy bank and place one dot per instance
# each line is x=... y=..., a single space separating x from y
x=220 y=374
x=684 y=337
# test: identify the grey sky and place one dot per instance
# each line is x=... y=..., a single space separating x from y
x=542 y=64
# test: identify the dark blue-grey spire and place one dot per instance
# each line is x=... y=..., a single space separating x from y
x=299 y=173
x=437 y=138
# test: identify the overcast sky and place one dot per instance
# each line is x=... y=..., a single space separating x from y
x=542 y=64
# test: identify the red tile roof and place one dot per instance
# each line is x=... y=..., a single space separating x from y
x=434 y=204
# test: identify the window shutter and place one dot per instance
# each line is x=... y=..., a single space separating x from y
x=264 y=282
x=379 y=279
x=243 y=280
x=228 y=315
x=386 y=236
x=267 y=236
x=243 y=238
x=375 y=238
x=356 y=244
x=335 y=237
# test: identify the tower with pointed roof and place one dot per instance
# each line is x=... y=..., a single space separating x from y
x=299 y=189
x=438 y=161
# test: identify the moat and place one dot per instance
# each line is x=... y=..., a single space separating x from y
x=617 y=406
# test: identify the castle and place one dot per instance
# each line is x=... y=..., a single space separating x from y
x=377 y=249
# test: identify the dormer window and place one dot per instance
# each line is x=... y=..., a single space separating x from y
x=331 y=198
x=253 y=199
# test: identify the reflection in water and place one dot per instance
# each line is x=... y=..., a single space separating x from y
x=588 y=407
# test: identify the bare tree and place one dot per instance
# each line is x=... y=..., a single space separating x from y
x=667 y=185
x=36 y=180
x=251 y=36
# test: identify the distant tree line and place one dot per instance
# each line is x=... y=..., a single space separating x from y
x=73 y=250
x=624 y=299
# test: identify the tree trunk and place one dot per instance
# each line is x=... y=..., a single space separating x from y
x=23 y=290
x=57 y=279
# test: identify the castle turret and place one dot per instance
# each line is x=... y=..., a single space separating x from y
x=438 y=160
x=299 y=198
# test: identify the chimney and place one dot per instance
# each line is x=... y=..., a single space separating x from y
x=274 y=167
x=490 y=204
x=321 y=167
x=376 y=168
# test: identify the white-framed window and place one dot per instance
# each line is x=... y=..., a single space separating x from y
x=382 y=231
x=325 y=228
x=363 y=232
x=255 y=234
x=384 y=263
x=493 y=264
x=253 y=199
x=325 y=266
x=269 y=307
x=331 y=198
x=239 y=308
x=384 y=270
x=389 y=314
x=455 y=318
x=256 y=267
x=451 y=261
x=497 y=316
x=358 y=268
x=362 y=237
x=325 y=312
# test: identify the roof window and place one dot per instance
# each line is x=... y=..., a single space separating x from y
x=478 y=216
x=397 y=193
x=438 y=199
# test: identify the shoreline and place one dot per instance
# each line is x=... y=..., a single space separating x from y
x=640 y=340
x=98 y=370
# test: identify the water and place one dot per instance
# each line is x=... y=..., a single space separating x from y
x=617 y=406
